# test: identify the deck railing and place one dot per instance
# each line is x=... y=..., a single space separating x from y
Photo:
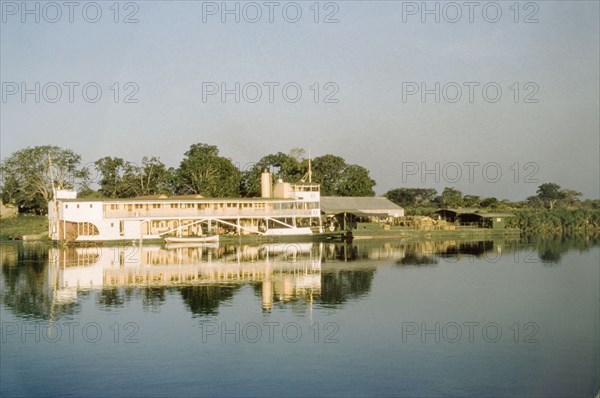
x=196 y=213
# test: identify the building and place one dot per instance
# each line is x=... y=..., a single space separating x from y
x=474 y=218
x=282 y=209
x=344 y=212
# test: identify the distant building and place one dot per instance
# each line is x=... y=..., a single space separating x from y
x=475 y=217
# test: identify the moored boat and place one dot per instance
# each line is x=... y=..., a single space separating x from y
x=192 y=239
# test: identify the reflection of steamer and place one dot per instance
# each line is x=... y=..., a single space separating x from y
x=287 y=248
x=285 y=271
x=184 y=245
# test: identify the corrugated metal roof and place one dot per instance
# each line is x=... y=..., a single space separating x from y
x=337 y=204
x=478 y=212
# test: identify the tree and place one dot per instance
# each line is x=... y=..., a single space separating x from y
x=451 y=198
x=327 y=171
x=28 y=180
x=112 y=171
x=203 y=171
x=471 y=201
x=571 y=197
x=534 y=201
x=411 y=197
x=550 y=193
x=150 y=178
x=340 y=179
x=489 y=202
x=355 y=181
x=289 y=168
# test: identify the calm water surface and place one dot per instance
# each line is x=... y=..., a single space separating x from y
x=388 y=318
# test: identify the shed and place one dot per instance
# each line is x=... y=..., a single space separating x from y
x=475 y=217
x=345 y=212
x=363 y=206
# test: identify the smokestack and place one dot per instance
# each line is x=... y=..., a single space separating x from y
x=265 y=184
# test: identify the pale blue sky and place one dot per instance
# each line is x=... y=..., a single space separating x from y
x=368 y=54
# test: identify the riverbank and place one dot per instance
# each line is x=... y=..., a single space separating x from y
x=559 y=221
x=24 y=224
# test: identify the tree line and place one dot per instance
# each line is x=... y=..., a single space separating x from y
x=30 y=175
x=548 y=196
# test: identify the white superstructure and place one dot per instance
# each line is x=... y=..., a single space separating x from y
x=290 y=209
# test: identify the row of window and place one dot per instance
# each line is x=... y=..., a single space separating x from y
x=202 y=206
x=305 y=188
x=77 y=206
x=228 y=205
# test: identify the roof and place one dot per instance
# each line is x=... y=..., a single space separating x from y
x=460 y=210
x=364 y=204
x=477 y=212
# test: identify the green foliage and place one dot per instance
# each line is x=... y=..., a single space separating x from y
x=24 y=224
x=451 y=198
x=289 y=168
x=471 y=201
x=556 y=221
x=337 y=178
x=28 y=179
x=204 y=172
x=411 y=197
x=123 y=179
x=355 y=181
x=489 y=202
x=549 y=193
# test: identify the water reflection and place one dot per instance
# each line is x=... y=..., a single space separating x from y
x=46 y=282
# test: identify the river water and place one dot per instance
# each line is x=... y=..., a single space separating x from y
x=474 y=318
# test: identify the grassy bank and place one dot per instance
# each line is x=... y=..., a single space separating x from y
x=556 y=221
x=14 y=228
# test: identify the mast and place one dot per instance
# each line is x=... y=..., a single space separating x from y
x=55 y=221
x=51 y=171
x=309 y=167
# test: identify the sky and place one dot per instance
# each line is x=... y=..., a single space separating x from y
x=491 y=98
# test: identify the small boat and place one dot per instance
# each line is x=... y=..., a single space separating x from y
x=192 y=239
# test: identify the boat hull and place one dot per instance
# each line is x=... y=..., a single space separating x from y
x=200 y=239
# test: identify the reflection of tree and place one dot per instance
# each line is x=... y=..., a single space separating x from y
x=111 y=297
x=205 y=299
x=551 y=248
x=153 y=297
x=476 y=248
x=416 y=259
x=339 y=286
x=25 y=288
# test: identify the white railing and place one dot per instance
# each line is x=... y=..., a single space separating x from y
x=195 y=213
